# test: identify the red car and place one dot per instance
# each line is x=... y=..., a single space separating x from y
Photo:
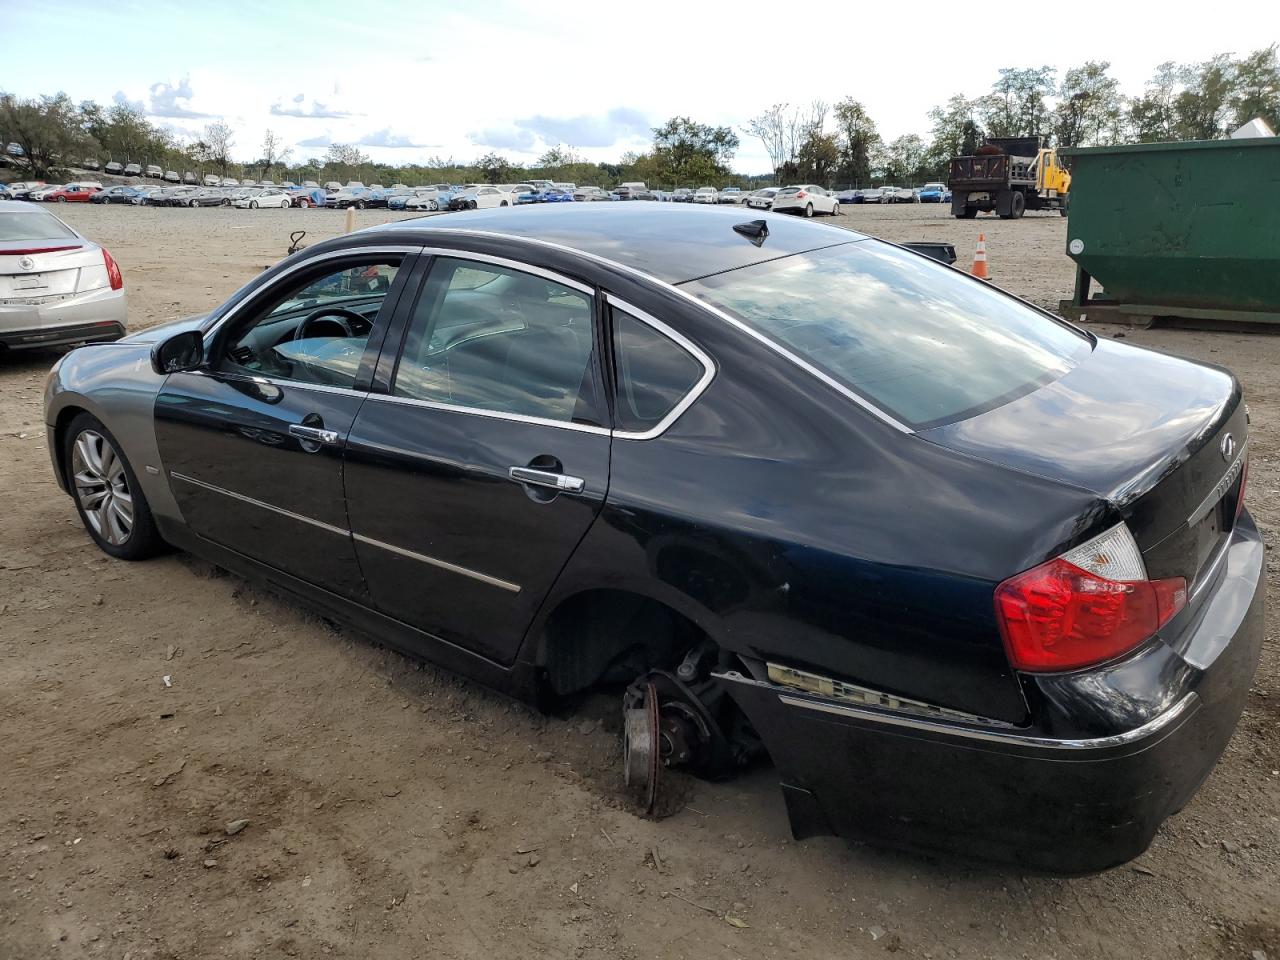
x=73 y=193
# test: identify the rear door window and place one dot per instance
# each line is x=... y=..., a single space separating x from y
x=918 y=340
x=486 y=337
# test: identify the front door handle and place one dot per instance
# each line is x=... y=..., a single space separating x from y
x=545 y=478
x=314 y=434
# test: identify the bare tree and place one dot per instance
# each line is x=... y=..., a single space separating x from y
x=770 y=128
x=217 y=142
x=273 y=151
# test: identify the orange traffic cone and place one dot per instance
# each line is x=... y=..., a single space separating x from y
x=980 y=259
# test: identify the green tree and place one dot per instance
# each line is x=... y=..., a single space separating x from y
x=494 y=168
x=685 y=151
x=1151 y=115
x=1017 y=105
x=1089 y=104
x=856 y=137
x=48 y=129
x=1257 y=88
x=1201 y=111
x=818 y=158
x=905 y=158
x=954 y=132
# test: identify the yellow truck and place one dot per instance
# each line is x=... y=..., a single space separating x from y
x=1009 y=176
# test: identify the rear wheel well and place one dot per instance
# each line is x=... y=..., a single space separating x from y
x=610 y=637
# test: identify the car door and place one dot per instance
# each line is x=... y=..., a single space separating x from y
x=474 y=475
x=252 y=442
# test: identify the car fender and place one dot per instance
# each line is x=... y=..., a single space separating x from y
x=121 y=371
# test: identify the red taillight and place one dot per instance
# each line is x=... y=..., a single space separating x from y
x=1059 y=617
x=801 y=195
x=113 y=270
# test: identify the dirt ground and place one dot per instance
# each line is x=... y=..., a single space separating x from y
x=397 y=812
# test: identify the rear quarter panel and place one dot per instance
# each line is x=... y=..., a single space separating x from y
x=792 y=525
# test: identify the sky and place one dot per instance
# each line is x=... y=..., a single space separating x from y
x=410 y=81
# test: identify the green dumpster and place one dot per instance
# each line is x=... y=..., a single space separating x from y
x=1176 y=230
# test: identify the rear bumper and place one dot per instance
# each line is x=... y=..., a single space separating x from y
x=1084 y=788
x=85 y=318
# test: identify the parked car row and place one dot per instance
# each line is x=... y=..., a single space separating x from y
x=806 y=199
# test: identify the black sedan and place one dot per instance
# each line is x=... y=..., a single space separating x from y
x=972 y=578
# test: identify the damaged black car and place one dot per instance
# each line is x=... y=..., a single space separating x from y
x=972 y=578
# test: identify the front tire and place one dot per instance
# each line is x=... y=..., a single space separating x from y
x=835 y=211
x=253 y=204
x=108 y=498
x=304 y=203
x=433 y=206
x=359 y=204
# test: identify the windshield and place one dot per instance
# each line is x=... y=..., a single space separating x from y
x=36 y=225
x=921 y=341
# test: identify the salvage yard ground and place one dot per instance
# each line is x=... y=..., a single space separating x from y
x=397 y=812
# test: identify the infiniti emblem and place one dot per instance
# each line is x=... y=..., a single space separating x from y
x=1228 y=447
x=26 y=263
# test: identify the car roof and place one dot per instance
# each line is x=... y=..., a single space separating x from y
x=669 y=242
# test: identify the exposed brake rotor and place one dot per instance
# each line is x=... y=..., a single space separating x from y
x=641 y=759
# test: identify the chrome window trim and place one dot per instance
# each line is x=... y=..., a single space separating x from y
x=714 y=311
x=278 y=382
x=345 y=252
x=1151 y=727
x=708 y=369
x=259 y=503
x=442 y=564
x=491 y=414
x=517 y=265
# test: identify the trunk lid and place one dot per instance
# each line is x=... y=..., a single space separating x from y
x=1160 y=438
x=40 y=270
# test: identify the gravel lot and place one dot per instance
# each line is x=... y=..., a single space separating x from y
x=395 y=811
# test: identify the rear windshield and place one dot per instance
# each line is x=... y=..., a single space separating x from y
x=36 y=225
x=919 y=340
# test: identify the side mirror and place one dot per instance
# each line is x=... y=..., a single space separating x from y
x=181 y=352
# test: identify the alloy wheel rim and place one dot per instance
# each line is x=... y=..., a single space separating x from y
x=102 y=487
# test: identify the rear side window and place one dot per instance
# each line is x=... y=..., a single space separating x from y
x=654 y=373
x=919 y=340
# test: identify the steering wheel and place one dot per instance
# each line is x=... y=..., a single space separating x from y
x=339 y=315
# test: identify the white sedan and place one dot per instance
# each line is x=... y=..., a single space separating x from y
x=806 y=199
x=706 y=195
x=762 y=199
x=262 y=198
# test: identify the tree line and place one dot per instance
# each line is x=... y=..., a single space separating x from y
x=819 y=142
x=839 y=143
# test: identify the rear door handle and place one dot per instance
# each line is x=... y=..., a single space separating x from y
x=315 y=434
x=545 y=478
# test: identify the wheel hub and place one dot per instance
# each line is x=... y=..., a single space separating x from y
x=102 y=487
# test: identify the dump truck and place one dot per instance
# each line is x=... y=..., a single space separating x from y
x=1009 y=175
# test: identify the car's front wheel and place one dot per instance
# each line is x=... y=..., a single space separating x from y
x=835 y=211
x=253 y=204
x=304 y=203
x=108 y=498
x=433 y=206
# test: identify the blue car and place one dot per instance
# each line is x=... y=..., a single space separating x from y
x=553 y=195
x=935 y=193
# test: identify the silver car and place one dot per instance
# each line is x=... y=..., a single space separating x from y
x=56 y=285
